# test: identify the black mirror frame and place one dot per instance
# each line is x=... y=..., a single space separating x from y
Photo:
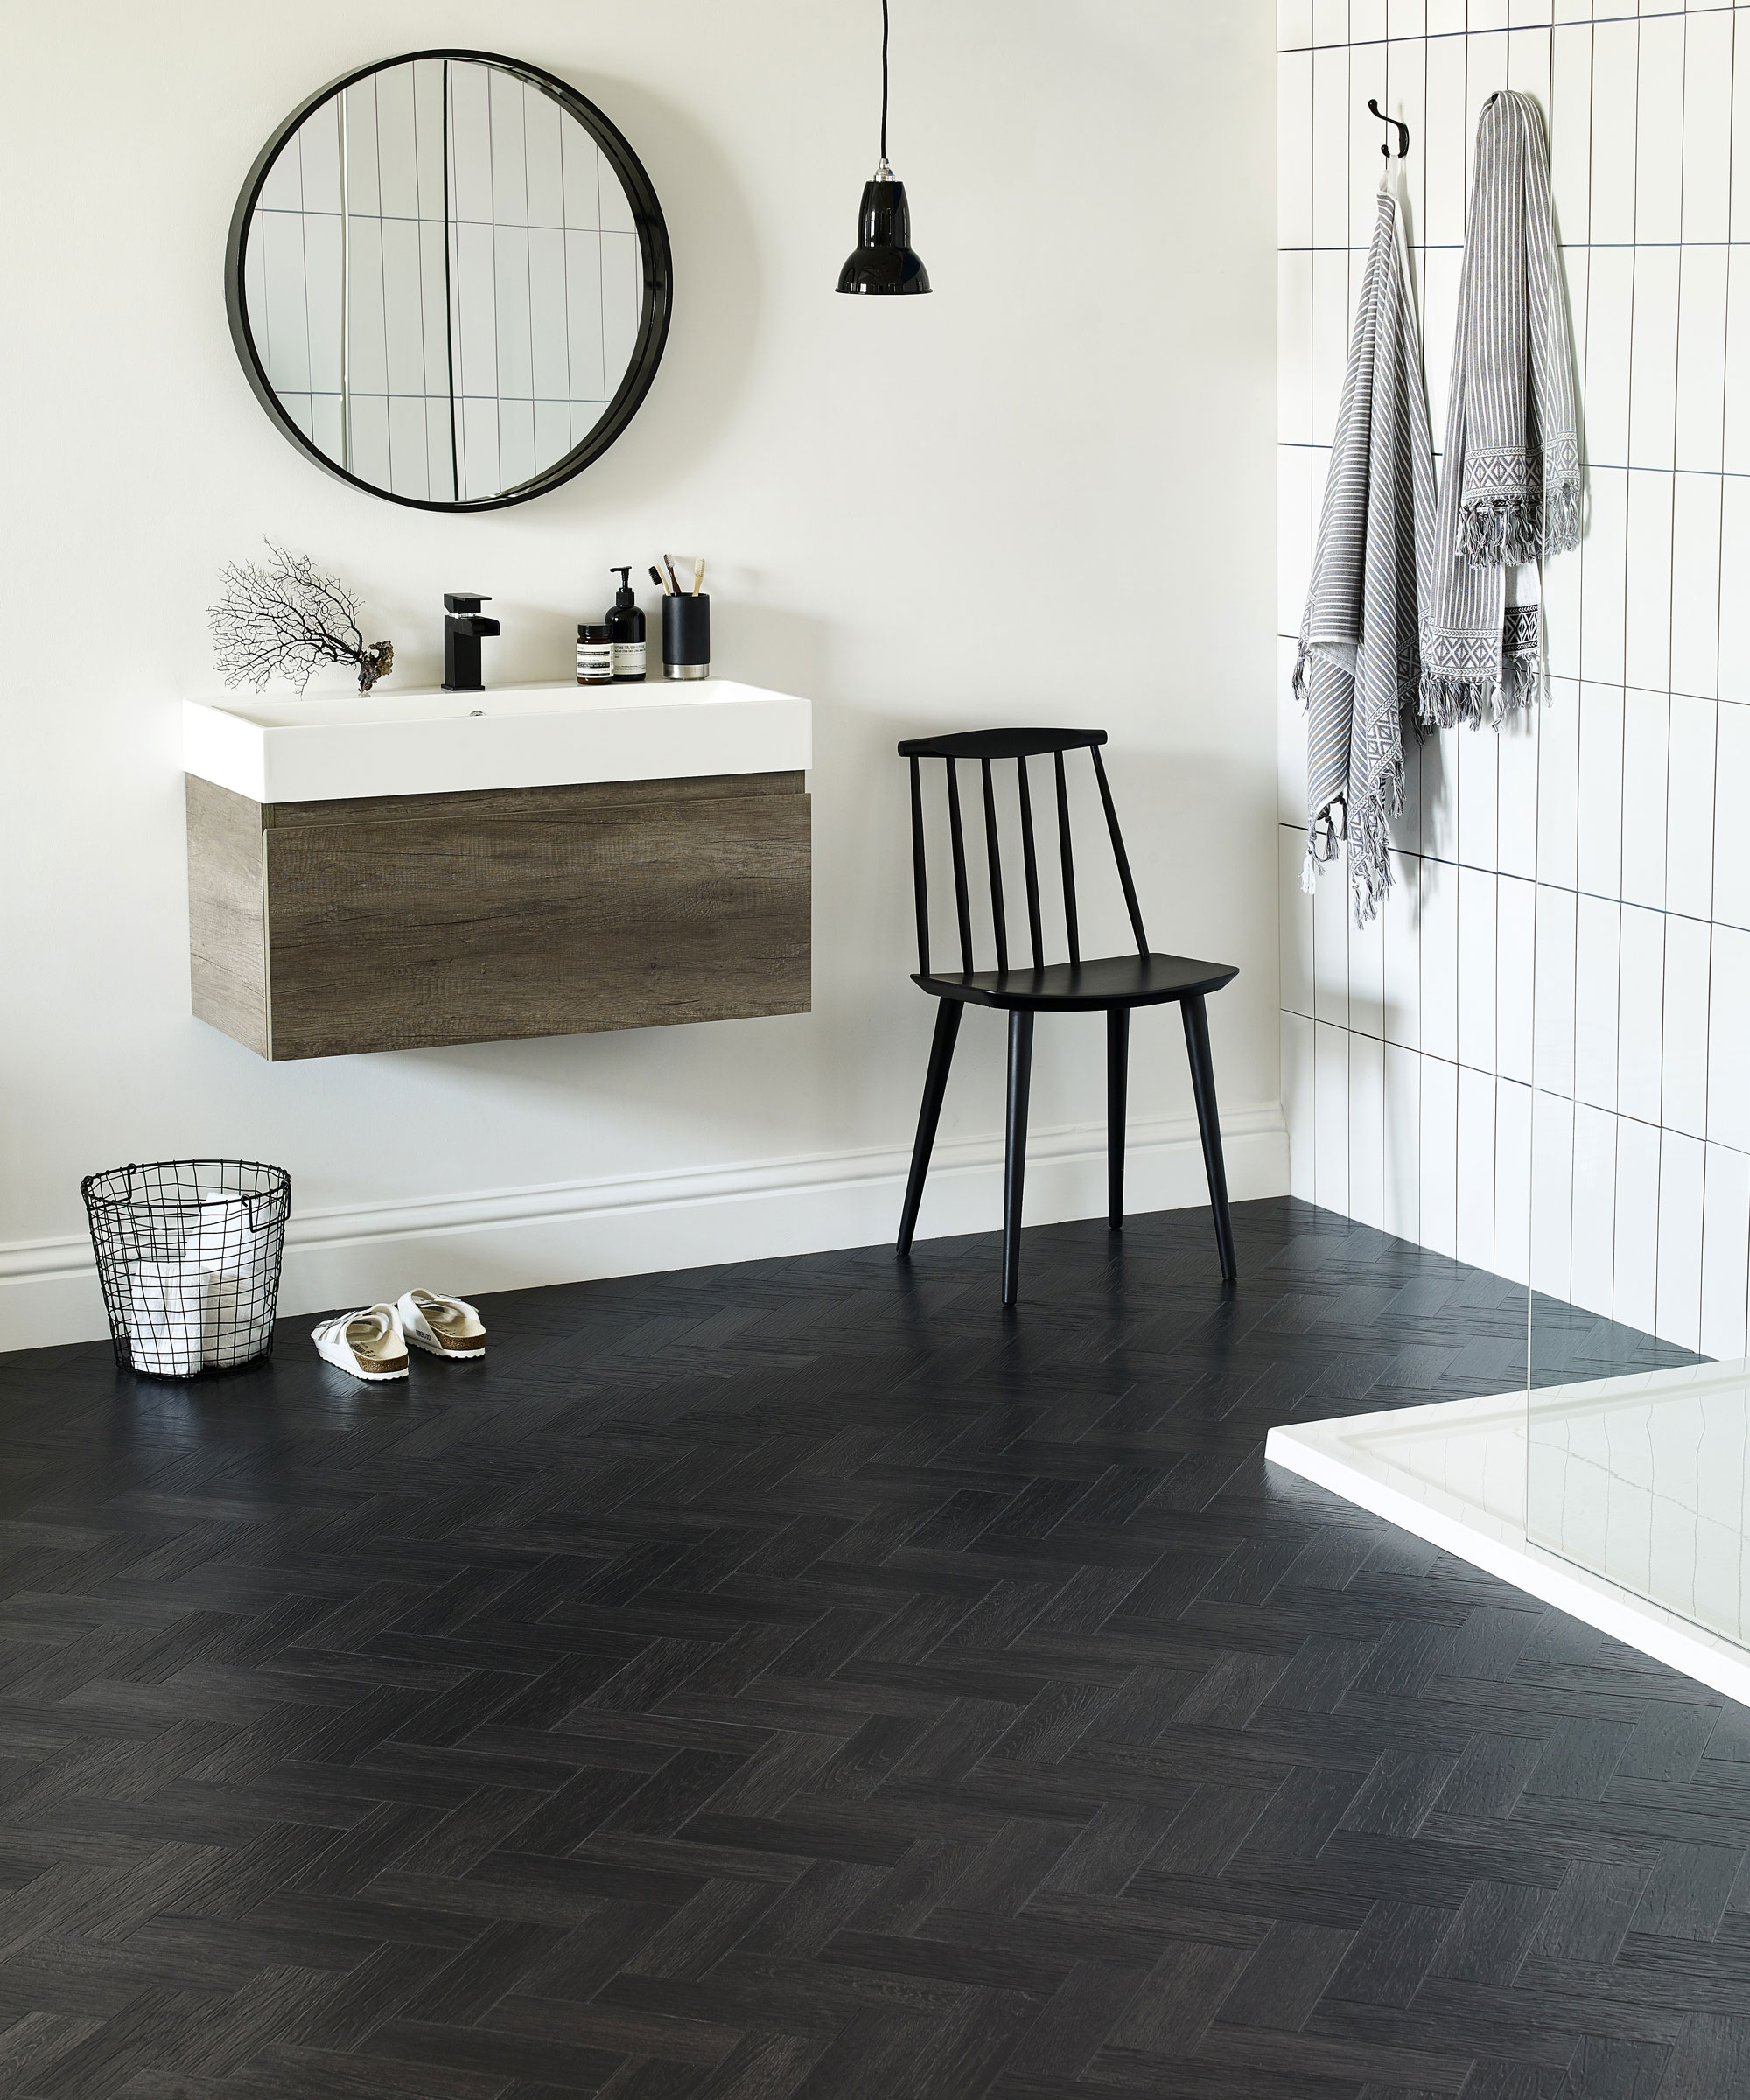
x=653 y=241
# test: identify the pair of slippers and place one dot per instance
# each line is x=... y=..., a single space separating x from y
x=372 y=1343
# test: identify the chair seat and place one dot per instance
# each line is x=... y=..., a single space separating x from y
x=1095 y=981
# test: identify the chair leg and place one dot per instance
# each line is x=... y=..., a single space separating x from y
x=1118 y=1081
x=1015 y=1147
x=1203 y=1087
x=948 y=1013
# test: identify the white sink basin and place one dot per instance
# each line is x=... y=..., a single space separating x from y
x=341 y=746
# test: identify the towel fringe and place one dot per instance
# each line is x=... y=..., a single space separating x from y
x=1497 y=532
x=1562 y=518
x=1366 y=829
x=1522 y=685
x=1452 y=699
x=1449 y=699
x=1370 y=877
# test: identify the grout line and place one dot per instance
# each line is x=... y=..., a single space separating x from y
x=1446 y=36
x=1453 y=248
x=1719 y=588
x=1670 y=611
x=1632 y=904
x=1623 y=719
x=1602 y=467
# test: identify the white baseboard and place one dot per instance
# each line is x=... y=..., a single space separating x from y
x=634 y=1225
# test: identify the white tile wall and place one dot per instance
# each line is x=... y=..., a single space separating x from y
x=1724 y=1230
x=1598 y=941
x=1474 y=1233
x=1513 y=1180
x=1646 y=751
x=1297 y=1094
x=1594 y=1193
x=1635 y=1294
x=1555 y=991
x=1683 y=1169
x=1640 y=1025
x=1600 y=813
x=1331 y=1117
x=1701 y=356
x=1439 y=1165
x=1367 y=1128
x=1735 y=405
x=1552 y=1191
x=1402 y=1142
x=1517 y=796
x=1535 y=1059
x=1516 y=984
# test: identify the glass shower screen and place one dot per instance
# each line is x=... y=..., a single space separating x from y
x=1637 y=1449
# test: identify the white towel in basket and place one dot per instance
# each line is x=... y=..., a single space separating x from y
x=223 y=1237
x=167 y=1314
x=237 y=1317
x=213 y=1307
x=235 y=1321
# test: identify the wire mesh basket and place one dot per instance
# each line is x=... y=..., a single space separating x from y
x=188 y=1254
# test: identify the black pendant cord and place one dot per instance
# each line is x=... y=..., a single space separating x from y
x=883 y=261
x=883 y=80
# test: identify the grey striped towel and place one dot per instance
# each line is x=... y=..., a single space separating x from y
x=1359 y=666
x=1510 y=480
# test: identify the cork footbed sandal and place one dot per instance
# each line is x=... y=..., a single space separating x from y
x=443 y=1327
x=367 y=1344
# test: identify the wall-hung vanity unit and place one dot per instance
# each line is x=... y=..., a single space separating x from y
x=396 y=872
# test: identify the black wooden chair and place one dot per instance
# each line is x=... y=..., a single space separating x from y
x=1111 y=983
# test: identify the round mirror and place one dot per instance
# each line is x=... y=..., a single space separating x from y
x=448 y=279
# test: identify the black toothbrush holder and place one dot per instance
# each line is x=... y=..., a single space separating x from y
x=686 y=637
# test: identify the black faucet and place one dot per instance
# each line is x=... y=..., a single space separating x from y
x=465 y=626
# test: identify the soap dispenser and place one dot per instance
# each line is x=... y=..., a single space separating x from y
x=625 y=632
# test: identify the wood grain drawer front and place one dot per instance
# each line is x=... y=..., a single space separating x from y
x=324 y=929
x=397 y=933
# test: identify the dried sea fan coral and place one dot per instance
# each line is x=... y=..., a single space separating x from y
x=284 y=619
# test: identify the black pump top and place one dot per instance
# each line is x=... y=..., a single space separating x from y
x=623 y=596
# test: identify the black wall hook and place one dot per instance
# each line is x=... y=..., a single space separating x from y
x=1398 y=125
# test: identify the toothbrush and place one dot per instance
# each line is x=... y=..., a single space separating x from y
x=674 y=583
x=698 y=574
x=656 y=578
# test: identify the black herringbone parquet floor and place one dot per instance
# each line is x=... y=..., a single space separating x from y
x=790 y=1680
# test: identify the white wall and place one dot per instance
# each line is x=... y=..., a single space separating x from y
x=1037 y=494
x=1534 y=1058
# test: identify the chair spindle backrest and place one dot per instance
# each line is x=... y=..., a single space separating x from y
x=1020 y=745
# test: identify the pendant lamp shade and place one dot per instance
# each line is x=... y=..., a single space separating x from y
x=883 y=261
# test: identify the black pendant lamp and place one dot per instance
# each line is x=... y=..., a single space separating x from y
x=883 y=261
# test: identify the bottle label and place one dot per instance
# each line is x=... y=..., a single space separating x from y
x=595 y=662
x=628 y=659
